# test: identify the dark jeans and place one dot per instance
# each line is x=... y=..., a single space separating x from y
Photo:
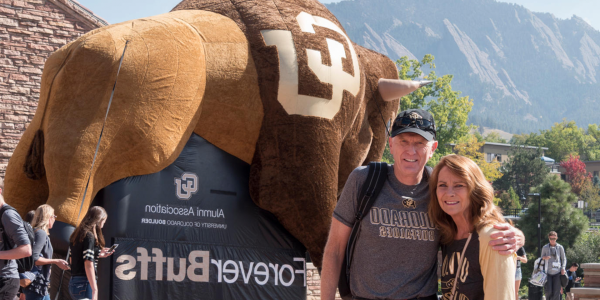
x=80 y=288
x=31 y=295
x=9 y=288
x=552 y=287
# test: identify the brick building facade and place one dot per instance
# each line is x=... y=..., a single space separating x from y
x=31 y=30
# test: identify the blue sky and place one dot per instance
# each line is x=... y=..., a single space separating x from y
x=116 y=11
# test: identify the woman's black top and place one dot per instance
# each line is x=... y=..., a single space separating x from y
x=520 y=252
x=82 y=251
x=470 y=282
x=41 y=248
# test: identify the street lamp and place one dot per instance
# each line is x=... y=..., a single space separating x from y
x=539 y=221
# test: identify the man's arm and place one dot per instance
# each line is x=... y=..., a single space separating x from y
x=545 y=254
x=15 y=232
x=507 y=240
x=333 y=257
x=16 y=253
x=563 y=260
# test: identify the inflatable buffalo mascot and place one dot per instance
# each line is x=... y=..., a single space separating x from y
x=277 y=85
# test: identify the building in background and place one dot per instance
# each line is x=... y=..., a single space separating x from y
x=500 y=152
x=591 y=166
x=31 y=30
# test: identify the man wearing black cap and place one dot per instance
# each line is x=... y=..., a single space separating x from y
x=395 y=255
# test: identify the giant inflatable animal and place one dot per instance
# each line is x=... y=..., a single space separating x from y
x=275 y=83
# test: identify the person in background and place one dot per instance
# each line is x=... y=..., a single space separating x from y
x=29 y=216
x=573 y=279
x=554 y=255
x=43 y=221
x=521 y=258
x=87 y=245
x=14 y=245
x=462 y=207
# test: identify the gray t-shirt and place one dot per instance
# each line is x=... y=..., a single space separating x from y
x=395 y=256
x=13 y=224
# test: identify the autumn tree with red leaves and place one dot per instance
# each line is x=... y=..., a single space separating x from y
x=576 y=173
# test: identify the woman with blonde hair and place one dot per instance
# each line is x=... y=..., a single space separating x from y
x=87 y=245
x=462 y=208
x=42 y=222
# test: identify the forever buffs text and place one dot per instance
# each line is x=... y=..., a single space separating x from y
x=198 y=269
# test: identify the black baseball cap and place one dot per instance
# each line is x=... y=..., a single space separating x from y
x=414 y=120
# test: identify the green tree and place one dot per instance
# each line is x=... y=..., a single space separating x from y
x=558 y=214
x=449 y=110
x=590 y=194
x=586 y=249
x=565 y=139
x=519 y=139
x=494 y=137
x=509 y=199
x=594 y=148
x=470 y=148
x=523 y=170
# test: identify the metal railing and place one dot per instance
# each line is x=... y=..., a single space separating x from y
x=512 y=212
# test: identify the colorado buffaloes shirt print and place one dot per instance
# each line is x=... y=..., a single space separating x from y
x=405 y=223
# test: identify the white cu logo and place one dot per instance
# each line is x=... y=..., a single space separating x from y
x=292 y=102
x=187 y=189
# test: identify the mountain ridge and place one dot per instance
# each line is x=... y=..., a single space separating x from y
x=524 y=70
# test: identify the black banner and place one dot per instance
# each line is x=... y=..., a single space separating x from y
x=191 y=231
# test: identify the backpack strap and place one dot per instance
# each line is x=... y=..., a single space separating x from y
x=376 y=177
x=428 y=171
x=5 y=239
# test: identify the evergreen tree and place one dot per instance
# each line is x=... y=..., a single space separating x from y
x=558 y=214
x=524 y=170
x=509 y=199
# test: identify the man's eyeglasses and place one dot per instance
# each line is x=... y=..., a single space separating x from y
x=553 y=239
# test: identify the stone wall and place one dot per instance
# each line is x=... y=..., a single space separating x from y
x=30 y=31
x=313 y=283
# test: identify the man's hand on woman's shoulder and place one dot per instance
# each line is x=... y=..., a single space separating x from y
x=507 y=240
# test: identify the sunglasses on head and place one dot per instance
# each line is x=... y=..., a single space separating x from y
x=415 y=123
x=419 y=123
